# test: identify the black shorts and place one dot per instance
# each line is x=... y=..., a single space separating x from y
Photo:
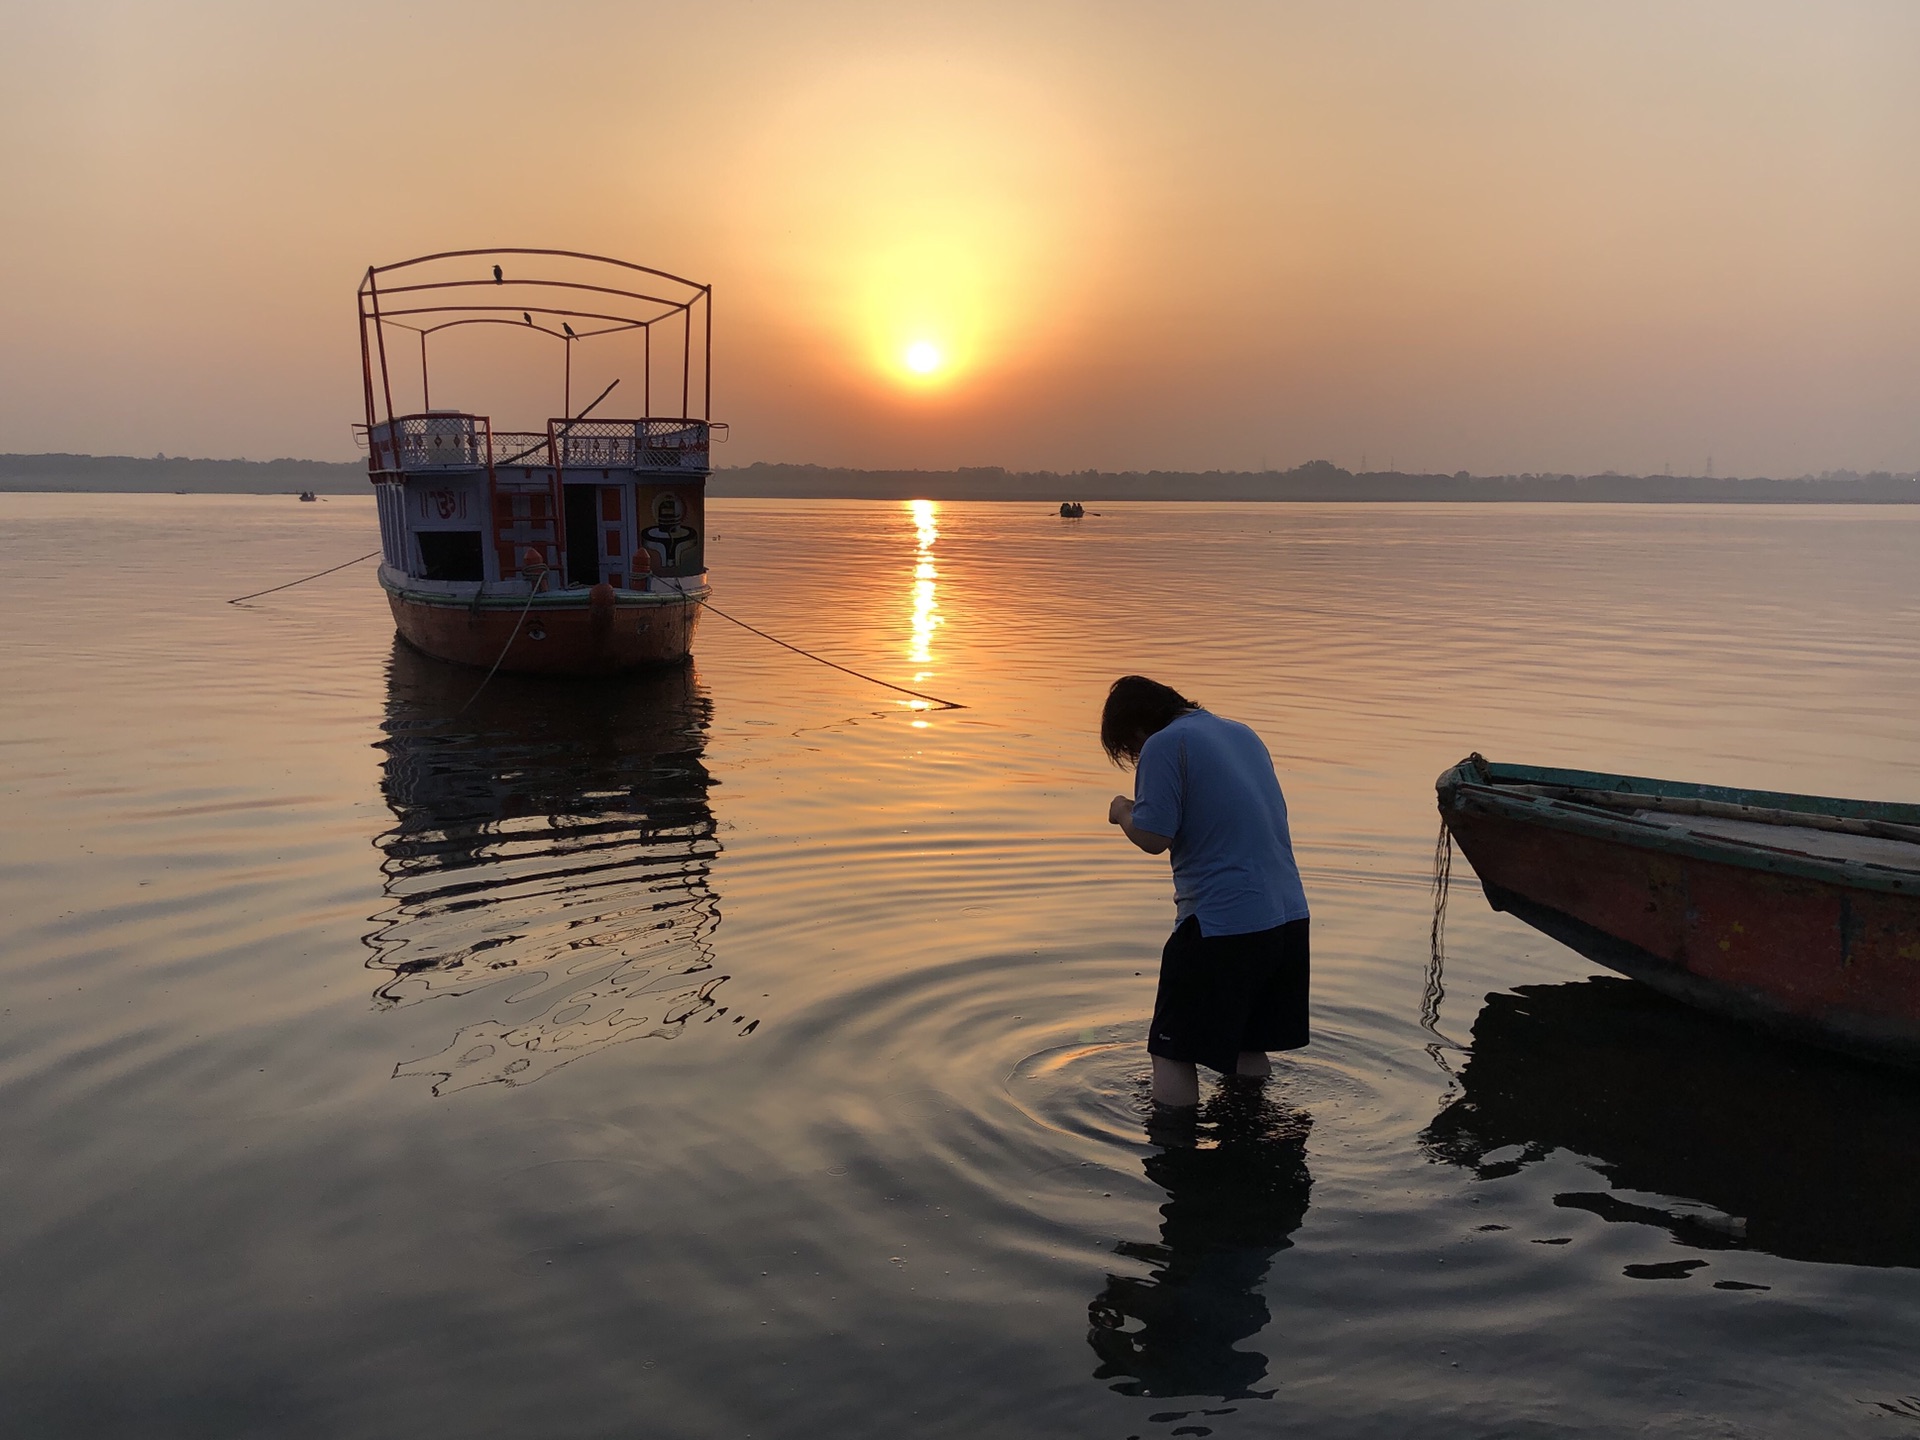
x=1222 y=994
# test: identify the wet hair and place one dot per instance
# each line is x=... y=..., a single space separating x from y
x=1136 y=708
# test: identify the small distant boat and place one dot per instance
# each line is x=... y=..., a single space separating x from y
x=1072 y=510
x=1796 y=913
x=576 y=547
x=308 y=495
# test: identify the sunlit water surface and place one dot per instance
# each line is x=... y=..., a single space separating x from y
x=746 y=1051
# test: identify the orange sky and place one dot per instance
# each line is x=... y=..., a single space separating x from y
x=1490 y=236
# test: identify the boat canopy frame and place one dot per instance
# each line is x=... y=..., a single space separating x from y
x=425 y=307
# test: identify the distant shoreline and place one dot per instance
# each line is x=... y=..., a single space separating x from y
x=1318 y=481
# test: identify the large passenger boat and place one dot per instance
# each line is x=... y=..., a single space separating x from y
x=572 y=546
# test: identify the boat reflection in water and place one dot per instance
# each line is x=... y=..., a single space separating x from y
x=556 y=836
x=1237 y=1187
x=1734 y=1141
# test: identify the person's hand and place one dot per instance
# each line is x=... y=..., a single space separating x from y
x=1119 y=810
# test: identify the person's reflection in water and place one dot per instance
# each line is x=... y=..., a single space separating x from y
x=556 y=835
x=1237 y=1186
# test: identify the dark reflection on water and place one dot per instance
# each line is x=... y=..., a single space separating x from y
x=555 y=841
x=1237 y=1185
x=1735 y=1141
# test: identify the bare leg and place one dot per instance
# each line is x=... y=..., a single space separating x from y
x=1175 y=1083
x=1254 y=1063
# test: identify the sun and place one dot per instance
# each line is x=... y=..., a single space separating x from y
x=923 y=353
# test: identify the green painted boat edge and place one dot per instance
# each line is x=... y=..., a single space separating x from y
x=1466 y=772
x=1618 y=829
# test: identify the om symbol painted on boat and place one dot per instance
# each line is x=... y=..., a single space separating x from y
x=446 y=503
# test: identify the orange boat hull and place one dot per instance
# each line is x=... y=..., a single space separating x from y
x=556 y=636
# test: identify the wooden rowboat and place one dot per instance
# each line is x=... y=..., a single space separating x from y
x=1796 y=913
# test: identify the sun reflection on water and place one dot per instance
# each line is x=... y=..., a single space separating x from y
x=926 y=600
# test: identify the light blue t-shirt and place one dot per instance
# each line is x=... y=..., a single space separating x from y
x=1208 y=784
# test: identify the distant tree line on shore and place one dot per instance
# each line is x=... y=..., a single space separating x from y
x=1317 y=480
x=162 y=473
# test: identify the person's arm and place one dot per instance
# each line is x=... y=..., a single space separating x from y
x=1120 y=812
x=1157 y=796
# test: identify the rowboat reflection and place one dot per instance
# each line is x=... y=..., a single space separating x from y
x=1237 y=1188
x=556 y=837
x=1731 y=1140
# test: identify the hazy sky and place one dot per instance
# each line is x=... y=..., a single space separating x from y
x=1496 y=235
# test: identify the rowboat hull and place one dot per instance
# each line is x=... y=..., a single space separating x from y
x=1824 y=951
x=603 y=632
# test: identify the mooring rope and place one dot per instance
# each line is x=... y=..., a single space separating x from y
x=532 y=590
x=304 y=578
x=734 y=619
x=1435 y=993
x=1436 y=986
x=835 y=665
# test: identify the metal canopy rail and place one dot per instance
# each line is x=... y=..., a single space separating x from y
x=512 y=285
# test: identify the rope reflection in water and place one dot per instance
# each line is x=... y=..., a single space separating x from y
x=555 y=835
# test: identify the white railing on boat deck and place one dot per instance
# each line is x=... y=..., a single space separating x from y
x=675 y=444
x=430 y=442
x=522 y=447
x=414 y=443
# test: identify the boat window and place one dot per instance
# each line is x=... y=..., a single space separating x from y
x=451 y=555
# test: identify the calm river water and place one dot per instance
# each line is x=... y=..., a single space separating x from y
x=747 y=1052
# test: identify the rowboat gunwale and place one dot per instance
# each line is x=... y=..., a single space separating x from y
x=1475 y=786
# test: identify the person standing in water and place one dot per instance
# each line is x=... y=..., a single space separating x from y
x=1233 y=975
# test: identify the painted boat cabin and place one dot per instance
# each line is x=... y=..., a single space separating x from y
x=583 y=503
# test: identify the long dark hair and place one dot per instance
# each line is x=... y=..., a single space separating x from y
x=1136 y=708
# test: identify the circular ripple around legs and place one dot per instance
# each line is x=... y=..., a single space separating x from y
x=1016 y=1090
x=1100 y=1091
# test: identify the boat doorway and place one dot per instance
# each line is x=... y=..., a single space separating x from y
x=583 y=534
x=597 y=535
